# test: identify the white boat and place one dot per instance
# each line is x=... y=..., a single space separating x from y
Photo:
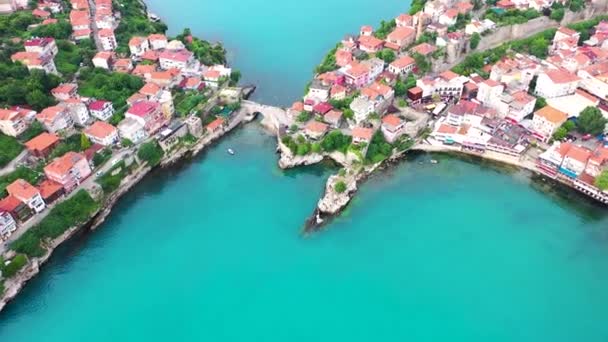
x=230 y=152
x=433 y=161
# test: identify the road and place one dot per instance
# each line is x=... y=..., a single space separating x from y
x=10 y=167
x=94 y=27
x=87 y=184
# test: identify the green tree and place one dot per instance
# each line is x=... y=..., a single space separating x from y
x=591 y=121
x=475 y=39
x=422 y=63
x=84 y=142
x=602 y=180
x=539 y=47
x=560 y=134
x=387 y=55
x=303 y=116
x=348 y=114
x=235 y=77
x=557 y=14
x=340 y=187
x=151 y=153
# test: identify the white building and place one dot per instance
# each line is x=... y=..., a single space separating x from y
x=555 y=83
x=103 y=59
x=102 y=133
x=138 y=45
x=78 y=111
x=102 y=110
x=132 y=129
x=12 y=122
x=7 y=224
x=107 y=39
x=546 y=121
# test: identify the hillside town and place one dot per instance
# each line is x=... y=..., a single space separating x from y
x=537 y=103
x=129 y=100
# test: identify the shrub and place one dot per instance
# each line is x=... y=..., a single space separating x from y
x=340 y=187
x=14 y=266
x=151 y=153
x=9 y=149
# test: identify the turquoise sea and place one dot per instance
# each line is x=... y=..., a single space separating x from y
x=276 y=44
x=212 y=251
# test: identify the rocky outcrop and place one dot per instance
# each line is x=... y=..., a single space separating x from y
x=333 y=201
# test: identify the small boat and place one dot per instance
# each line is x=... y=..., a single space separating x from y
x=433 y=161
x=230 y=151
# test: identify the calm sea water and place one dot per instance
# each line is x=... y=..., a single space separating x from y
x=212 y=252
x=276 y=44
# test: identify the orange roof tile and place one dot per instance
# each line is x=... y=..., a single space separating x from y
x=100 y=130
x=22 y=189
x=552 y=115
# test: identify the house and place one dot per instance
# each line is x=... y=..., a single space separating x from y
x=12 y=122
x=151 y=90
x=477 y=26
x=215 y=125
x=333 y=117
x=366 y=31
x=151 y=56
x=55 y=118
x=26 y=194
x=574 y=104
x=148 y=114
x=138 y=45
x=402 y=66
x=65 y=91
x=195 y=125
x=555 y=83
x=400 y=38
x=337 y=92
x=102 y=133
x=7 y=224
x=315 y=130
x=102 y=110
x=565 y=39
x=375 y=66
x=424 y=49
x=16 y=208
x=179 y=59
x=322 y=108
x=68 y=170
x=212 y=78
x=42 y=145
x=50 y=191
x=449 y=17
x=516 y=106
x=132 y=130
x=343 y=57
x=404 y=20
x=157 y=41
x=464 y=7
x=81 y=24
x=123 y=65
x=370 y=44
x=43 y=46
x=103 y=59
x=144 y=70
x=362 y=107
x=107 y=39
x=447 y=84
x=78 y=111
x=594 y=79
x=192 y=83
x=546 y=121
x=318 y=91
x=575 y=161
x=489 y=91
x=169 y=78
x=392 y=127
x=517 y=72
x=35 y=61
x=41 y=13
x=362 y=135
x=356 y=74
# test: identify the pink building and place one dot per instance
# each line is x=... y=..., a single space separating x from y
x=148 y=114
x=68 y=170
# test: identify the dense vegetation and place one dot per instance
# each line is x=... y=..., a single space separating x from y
x=72 y=143
x=186 y=102
x=329 y=62
x=111 y=86
x=61 y=30
x=591 y=121
x=379 y=149
x=602 y=181
x=71 y=56
x=9 y=149
x=15 y=265
x=20 y=86
x=511 y=17
x=69 y=213
x=110 y=181
x=206 y=52
x=385 y=28
x=150 y=153
x=31 y=132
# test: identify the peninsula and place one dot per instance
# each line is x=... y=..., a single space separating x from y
x=95 y=96
x=518 y=83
